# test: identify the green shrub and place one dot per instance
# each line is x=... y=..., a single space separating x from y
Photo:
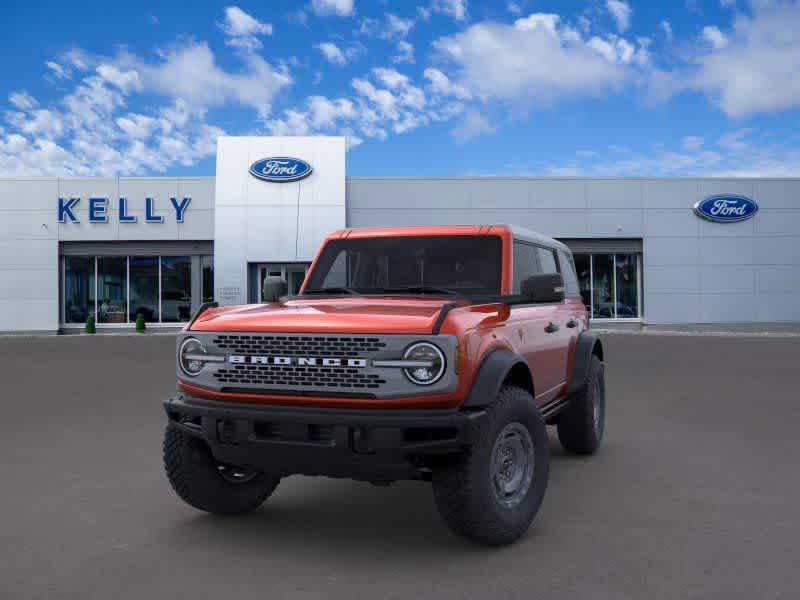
x=140 y=325
x=89 y=327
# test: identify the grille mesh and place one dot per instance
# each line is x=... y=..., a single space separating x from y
x=299 y=345
x=296 y=376
x=290 y=375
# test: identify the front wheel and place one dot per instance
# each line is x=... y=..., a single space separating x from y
x=492 y=492
x=204 y=483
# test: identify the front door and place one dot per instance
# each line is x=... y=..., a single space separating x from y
x=292 y=273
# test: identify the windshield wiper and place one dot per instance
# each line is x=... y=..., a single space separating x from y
x=421 y=289
x=333 y=290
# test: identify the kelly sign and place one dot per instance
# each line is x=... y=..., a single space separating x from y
x=98 y=210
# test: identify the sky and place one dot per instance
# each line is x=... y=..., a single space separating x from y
x=429 y=88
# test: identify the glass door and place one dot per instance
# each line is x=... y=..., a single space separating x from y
x=292 y=273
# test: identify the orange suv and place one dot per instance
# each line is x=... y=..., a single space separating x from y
x=430 y=353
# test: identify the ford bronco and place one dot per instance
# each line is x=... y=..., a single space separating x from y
x=430 y=353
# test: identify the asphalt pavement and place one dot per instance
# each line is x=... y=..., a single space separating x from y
x=694 y=494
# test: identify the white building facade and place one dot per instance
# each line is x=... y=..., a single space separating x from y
x=115 y=248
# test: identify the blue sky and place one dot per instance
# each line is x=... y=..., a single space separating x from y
x=439 y=87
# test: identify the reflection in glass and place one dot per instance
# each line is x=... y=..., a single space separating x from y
x=144 y=288
x=627 y=286
x=78 y=288
x=111 y=289
x=584 y=277
x=603 y=286
x=176 y=288
x=207 y=270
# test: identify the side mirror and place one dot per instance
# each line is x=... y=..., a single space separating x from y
x=544 y=287
x=273 y=288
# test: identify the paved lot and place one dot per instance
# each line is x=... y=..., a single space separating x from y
x=695 y=494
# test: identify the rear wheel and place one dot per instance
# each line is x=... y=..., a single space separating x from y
x=582 y=423
x=492 y=492
x=208 y=485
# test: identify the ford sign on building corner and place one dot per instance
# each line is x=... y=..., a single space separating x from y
x=280 y=169
x=726 y=208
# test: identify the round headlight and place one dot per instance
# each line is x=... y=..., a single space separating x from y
x=430 y=363
x=190 y=356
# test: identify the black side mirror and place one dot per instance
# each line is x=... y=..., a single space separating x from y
x=273 y=288
x=544 y=287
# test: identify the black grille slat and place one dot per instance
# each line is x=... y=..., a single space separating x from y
x=334 y=347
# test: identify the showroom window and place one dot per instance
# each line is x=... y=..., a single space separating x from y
x=117 y=289
x=610 y=284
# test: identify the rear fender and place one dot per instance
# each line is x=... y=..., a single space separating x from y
x=588 y=345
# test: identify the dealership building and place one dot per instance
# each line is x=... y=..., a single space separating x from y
x=650 y=252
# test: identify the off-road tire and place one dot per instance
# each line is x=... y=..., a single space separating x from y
x=463 y=486
x=196 y=478
x=577 y=429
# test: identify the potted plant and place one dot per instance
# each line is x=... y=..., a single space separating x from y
x=140 y=324
x=89 y=327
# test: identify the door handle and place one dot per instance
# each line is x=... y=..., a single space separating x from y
x=551 y=327
x=572 y=323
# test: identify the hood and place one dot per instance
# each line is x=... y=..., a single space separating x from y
x=356 y=314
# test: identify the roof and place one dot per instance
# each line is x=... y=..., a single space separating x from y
x=520 y=233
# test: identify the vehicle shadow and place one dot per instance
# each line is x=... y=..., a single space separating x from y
x=338 y=518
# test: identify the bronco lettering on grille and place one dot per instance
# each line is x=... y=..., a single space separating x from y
x=300 y=361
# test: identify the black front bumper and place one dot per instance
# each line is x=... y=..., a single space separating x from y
x=375 y=445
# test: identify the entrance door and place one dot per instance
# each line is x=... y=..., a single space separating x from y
x=293 y=273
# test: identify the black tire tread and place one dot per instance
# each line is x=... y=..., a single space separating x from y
x=576 y=430
x=461 y=487
x=192 y=473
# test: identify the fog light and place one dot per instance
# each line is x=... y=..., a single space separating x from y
x=430 y=363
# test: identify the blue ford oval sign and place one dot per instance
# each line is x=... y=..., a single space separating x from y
x=726 y=209
x=280 y=169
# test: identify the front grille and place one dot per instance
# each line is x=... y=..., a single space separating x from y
x=291 y=345
x=294 y=376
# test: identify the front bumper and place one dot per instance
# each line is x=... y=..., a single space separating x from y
x=374 y=445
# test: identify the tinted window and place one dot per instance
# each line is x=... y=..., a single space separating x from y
x=464 y=264
x=526 y=263
x=568 y=271
x=547 y=260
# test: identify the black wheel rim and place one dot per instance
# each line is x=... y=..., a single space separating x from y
x=598 y=405
x=512 y=464
x=236 y=475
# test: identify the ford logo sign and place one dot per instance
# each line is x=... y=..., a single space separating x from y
x=726 y=209
x=280 y=169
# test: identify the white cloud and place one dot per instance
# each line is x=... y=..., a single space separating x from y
x=336 y=55
x=22 y=100
x=692 y=143
x=715 y=37
x=758 y=70
x=405 y=53
x=59 y=71
x=735 y=154
x=441 y=84
x=243 y=29
x=514 y=8
x=339 y=8
x=727 y=3
x=536 y=60
x=398 y=27
x=621 y=11
x=453 y=8
x=472 y=124
x=666 y=27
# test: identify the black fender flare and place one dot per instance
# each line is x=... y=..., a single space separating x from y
x=490 y=377
x=588 y=345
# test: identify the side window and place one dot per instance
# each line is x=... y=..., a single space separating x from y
x=570 y=277
x=526 y=263
x=547 y=260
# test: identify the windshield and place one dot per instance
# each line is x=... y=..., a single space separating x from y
x=464 y=264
